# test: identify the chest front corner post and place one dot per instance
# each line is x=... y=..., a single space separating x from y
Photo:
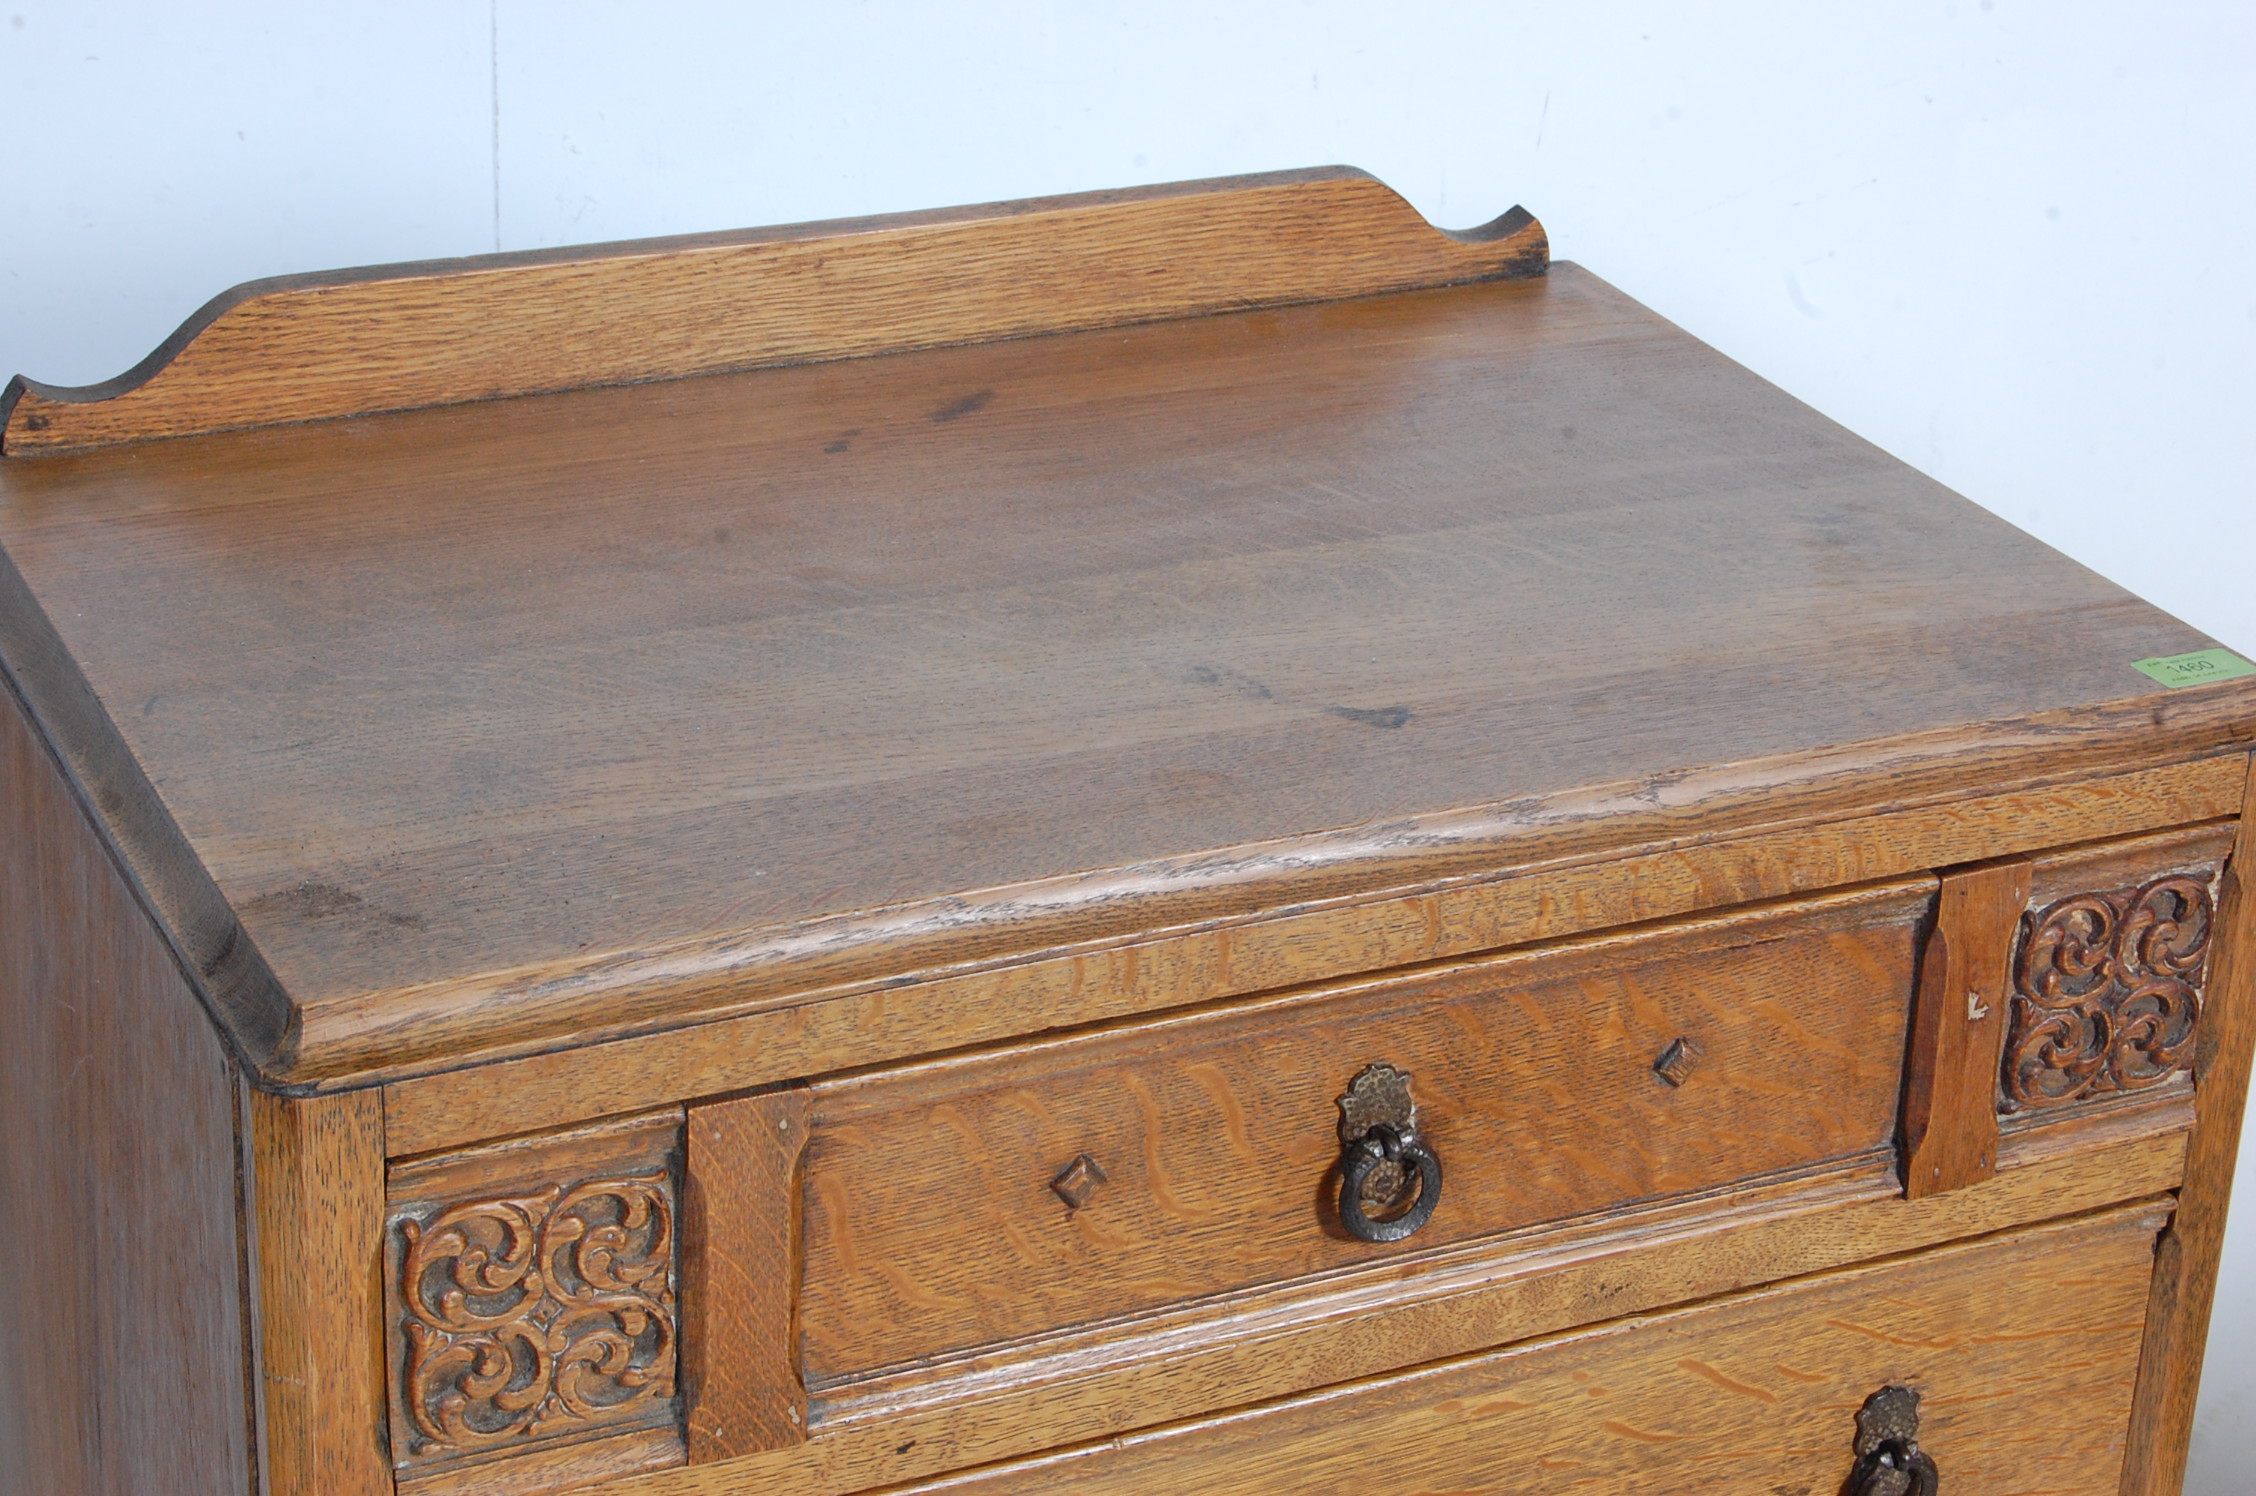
x=316 y=1200
x=2185 y=1260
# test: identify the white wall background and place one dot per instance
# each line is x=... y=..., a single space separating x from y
x=2009 y=241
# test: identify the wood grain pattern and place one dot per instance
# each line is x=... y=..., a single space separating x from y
x=546 y=1469
x=318 y=1196
x=2185 y=1268
x=741 y=1340
x=306 y=347
x=382 y=1035
x=1950 y=1129
x=531 y=1299
x=1753 y=1393
x=2116 y=861
x=1535 y=1083
x=223 y=967
x=1246 y=1349
x=1117 y=621
x=123 y=1363
x=619 y=1144
x=561 y=756
x=876 y=1022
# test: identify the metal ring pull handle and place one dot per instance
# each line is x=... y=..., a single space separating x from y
x=1383 y=1159
x=1895 y=1470
x=1380 y=1147
x=1889 y=1459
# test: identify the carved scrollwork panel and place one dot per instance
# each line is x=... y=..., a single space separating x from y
x=541 y=1314
x=2107 y=992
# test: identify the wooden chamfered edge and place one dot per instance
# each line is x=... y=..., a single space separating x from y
x=225 y=967
x=825 y=1030
x=866 y=988
x=398 y=337
x=1239 y=897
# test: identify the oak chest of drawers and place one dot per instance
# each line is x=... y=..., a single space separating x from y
x=1199 y=839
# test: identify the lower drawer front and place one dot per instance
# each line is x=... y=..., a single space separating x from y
x=2023 y=1349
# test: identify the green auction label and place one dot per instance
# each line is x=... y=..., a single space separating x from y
x=2195 y=669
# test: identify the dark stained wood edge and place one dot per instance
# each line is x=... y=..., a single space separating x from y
x=247 y=1269
x=395 y=1033
x=2186 y=1258
x=1233 y=262
x=1950 y=1127
x=222 y=964
x=317 y=1195
x=741 y=1272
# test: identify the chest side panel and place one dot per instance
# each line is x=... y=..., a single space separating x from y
x=121 y=1354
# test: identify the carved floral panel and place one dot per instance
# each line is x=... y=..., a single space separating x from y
x=2107 y=992
x=539 y=1308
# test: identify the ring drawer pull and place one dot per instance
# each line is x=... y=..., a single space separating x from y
x=1889 y=1459
x=1381 y=1155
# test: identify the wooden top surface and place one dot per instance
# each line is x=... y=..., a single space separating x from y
x=1136 y=626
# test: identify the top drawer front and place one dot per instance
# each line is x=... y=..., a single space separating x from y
x=935 y=1220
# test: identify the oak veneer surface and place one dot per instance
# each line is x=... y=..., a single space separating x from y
x=1187 y=619
x=740 y=1256
x=1218 y=1134
x=1950 y=1103
x=316 y=1187
x=122 y=1364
